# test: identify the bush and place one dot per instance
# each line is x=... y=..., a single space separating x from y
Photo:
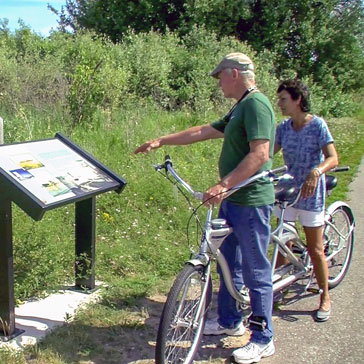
x=86 y=76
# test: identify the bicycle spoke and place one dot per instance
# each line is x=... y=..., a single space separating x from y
x=182 y=321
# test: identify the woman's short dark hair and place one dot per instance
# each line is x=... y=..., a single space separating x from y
x=296 y=88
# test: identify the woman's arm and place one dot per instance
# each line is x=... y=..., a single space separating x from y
x=331 y=161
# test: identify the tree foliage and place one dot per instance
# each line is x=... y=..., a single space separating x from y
x=318 y=38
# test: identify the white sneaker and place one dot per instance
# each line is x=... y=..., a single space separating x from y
x=212 y=327
x=253 y=352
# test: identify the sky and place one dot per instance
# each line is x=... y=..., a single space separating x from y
x=34 y=13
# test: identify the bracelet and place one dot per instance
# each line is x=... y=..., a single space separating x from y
x=318 y=170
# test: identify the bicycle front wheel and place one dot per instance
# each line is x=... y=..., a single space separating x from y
x=183 y=317
x=338 y=243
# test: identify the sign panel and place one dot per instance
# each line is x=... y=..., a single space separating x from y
x=52 y=171
x=44 y=174
x=39 y=176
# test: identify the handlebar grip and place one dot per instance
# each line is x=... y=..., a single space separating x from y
x=340 y=169
x=281 y=169
x=167 y=160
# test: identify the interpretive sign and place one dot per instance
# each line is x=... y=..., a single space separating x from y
x=39 y=176
x=52 y=172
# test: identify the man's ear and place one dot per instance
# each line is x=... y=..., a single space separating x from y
x=235 y=73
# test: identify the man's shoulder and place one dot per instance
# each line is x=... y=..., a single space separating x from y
x=257 y=100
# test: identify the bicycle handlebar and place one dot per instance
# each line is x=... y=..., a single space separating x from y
x=333 y=170
x=281 y=169
x=168 y=166
x=340 y=169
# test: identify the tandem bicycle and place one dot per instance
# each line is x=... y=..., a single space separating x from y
x=185 y=310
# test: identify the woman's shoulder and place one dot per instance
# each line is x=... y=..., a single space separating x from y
x=319 y=124
x=318 y=120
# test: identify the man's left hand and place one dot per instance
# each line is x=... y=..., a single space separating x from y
x=214 y=195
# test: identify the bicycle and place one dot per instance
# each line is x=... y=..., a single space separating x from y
x=184 y=313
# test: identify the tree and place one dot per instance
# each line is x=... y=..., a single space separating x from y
x=115 y=17
x=318 y=38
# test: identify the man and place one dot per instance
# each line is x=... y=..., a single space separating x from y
x=248 y=132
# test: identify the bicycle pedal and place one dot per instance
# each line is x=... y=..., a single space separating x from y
x=314 y=290
x=297 y=250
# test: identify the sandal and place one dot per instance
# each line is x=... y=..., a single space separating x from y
x=321 y=315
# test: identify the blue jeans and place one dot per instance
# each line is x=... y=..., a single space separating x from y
x=245 y=251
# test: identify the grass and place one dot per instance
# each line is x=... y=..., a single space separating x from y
x=140 y=234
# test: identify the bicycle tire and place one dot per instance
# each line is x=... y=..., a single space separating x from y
x=180 y=332
x=336 y=246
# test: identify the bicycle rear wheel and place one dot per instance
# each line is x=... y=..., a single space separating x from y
x=183 y=317
x=338 y=243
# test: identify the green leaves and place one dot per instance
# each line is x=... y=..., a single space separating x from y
x=307 y=36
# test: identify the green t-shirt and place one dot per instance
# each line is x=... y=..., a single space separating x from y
x=252 y=118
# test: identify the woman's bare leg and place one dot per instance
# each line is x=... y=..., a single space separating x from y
x=316 y=252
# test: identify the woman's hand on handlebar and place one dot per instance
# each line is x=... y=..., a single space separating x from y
x=309 y=186
x=214 y=195
x=148 y=146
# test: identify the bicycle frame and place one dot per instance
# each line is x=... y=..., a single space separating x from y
x=216 y=230
x=214 y=235
x=185 y=311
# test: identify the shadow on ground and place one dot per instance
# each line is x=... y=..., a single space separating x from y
x=110 y=343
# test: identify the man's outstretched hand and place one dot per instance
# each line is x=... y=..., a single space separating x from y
x=148 y=146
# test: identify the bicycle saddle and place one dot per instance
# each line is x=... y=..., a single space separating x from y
x=284 y=193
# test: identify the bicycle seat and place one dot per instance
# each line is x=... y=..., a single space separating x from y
x=284 y=193
x=331 y=182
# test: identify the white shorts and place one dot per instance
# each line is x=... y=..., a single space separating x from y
x=305 y=218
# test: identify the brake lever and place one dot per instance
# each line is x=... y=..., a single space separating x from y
x=158 y=167
x=284 y=177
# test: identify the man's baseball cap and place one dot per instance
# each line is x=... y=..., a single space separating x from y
x=239 y=61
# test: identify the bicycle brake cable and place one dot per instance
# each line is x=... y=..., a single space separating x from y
x=194 y=210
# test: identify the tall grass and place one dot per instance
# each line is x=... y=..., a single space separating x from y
x=141 y=233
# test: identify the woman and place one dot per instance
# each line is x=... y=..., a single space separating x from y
x=309 y=152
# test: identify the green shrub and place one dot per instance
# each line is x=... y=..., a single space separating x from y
x=89 y=77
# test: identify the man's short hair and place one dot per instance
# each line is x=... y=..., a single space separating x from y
x=297 y=88
x=239 y=61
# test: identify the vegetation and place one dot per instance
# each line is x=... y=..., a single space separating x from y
x=141 y=233
x=321 y=39
x=84 y=78
x=108 y=98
